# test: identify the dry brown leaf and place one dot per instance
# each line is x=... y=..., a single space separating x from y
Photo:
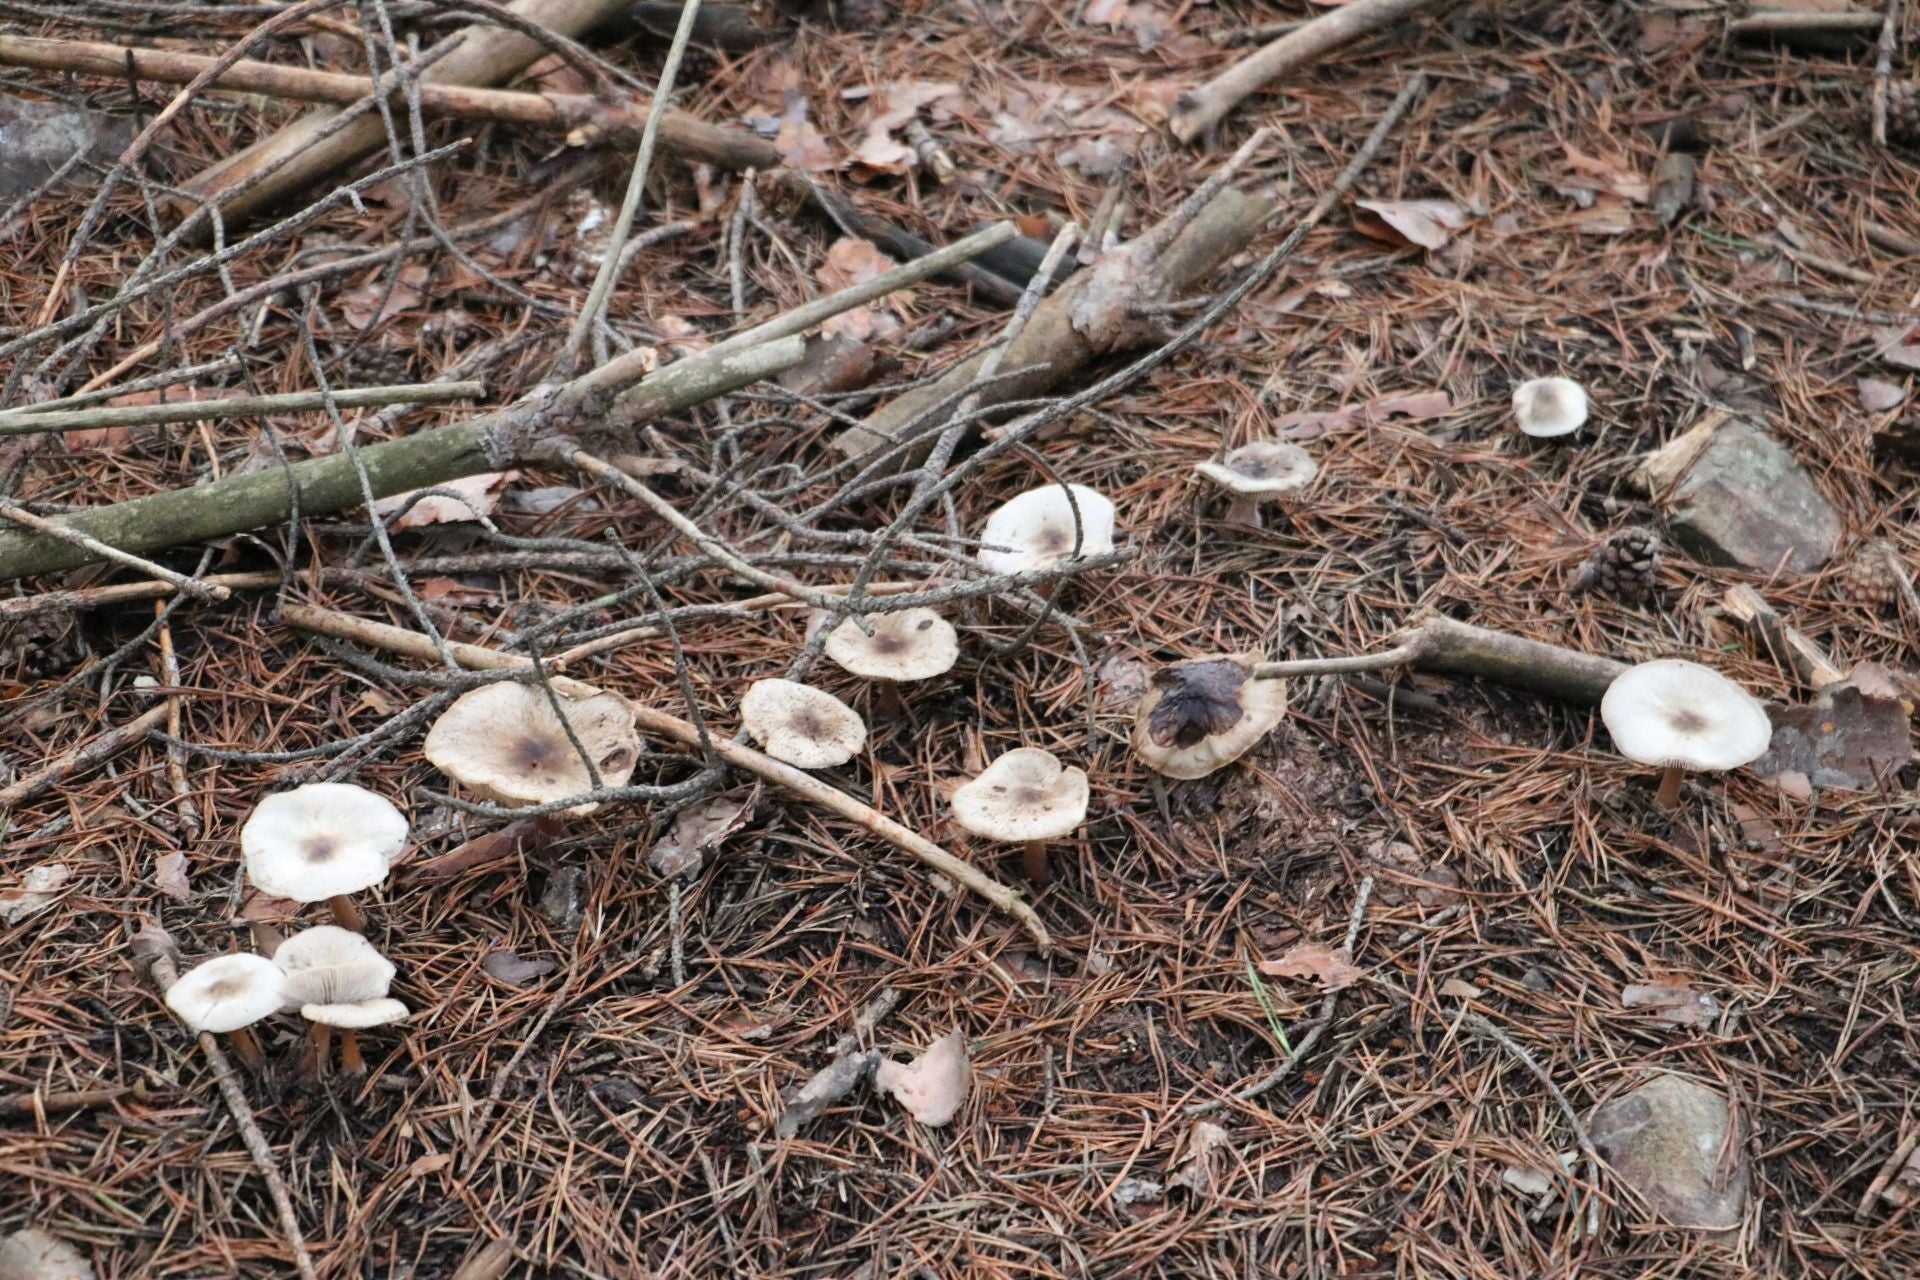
x=478 y=496
x=38 y=886
x=521 y=836
x=506 y=965
x=934 y=1086
x=798 y=142
x=264 y=908
x=1460 y=989
x=1429 y=224
x=1419 y=405
x=1333 y=966
x=170 y=875
x=1197 y=1166
x=1615 y=176
x=1852 y=736
x=1905 y=1187
x=1672 y=1002
x=358 y=306
x=1123 y=680
x=698 y=829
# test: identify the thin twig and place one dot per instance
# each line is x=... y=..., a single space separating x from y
x=35 y=418
x=85 y=756
x=1883 y=70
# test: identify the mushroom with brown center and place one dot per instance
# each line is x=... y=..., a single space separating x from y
x=506 y=743
x=1042 y=526
x=1203 y=714
x=351 y=1018
x=1026 y=797
x=1680 y=715
x=321 y=842
x=907 y=645
x=1549 y=407
x=226 y=996
x=806 y=727
x=1258 y=473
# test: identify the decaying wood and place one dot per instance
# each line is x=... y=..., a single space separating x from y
x=1770 y=634
x=85 y=756
x=1448 y=647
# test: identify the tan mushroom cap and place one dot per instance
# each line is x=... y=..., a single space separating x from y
x=1548 y=407
x=1263 y=468
x=1187 y=727
x=1025 y=795
x=321 y=841
x=1675 y=713
x=505 y=743
x=357 y=1015
x=1035 y=529
x=330 y=965
x=912 y=644
x=808 y=728
x=226 y=993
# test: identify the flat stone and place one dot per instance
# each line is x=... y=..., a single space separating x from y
x=1668 y=1141
x=1744 y=501
x=36 y=138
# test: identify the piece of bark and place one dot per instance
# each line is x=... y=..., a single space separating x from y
x=1447 y=647
x=731 y=28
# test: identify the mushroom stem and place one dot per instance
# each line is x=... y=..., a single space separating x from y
x=1669 y=793
x=890 y=704
x=1033 y=863
x=321 y=1036
x=346 y=915
x=247 y=1045
x=1244 y=510
x=350 y=1060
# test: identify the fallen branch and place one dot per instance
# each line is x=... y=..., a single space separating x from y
x=1791 y=22
x=660 y=724
x=1447 y=647
x=54 y=1104
x=1199 y=110
x=1883 y=69
x=93 y=548
x=34 y=418
x=84 y=756
x=850 y=1065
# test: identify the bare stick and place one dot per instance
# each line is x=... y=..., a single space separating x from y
x=1199 y=110
x=13 y=511
x=661 y=724
x=31 y=419
x=176 y=758
x=1398 y=657
x=1781 y=22
x=85 y=756
x=1883 y=69
x=53 y=1104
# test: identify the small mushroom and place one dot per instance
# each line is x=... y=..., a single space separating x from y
x=351 y=1018
x=227 y=995
x=506 y=743
x=1203 y=714
x=1259 y=473
x=330 y=965
x=1548 y=407
x=804 y=726
x=1037 y=528
x=1026 y=797
x=322 y=842
x=907 y=645
x=1681 y=715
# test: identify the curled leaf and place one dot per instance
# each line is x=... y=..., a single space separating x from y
x=1333 y=966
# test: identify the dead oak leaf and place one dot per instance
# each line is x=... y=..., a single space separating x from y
x=1428 y=224
x=1852 y=736
x=1672 y=1002
x=697 y=830
x=1418 y=405
x=1197 y=1166
x=507 y=966
x=384 y=297
x=38 y=887
x=453 y=501
x=170 y=875
x=1332 y=966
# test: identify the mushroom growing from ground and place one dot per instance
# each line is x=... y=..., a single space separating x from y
x=330 y=965
x=1205 y=713
x=910 y=644
x=808 y=728
x=1680 y=716
x=1548 y=407
x=506 y=743
x=1037 y=528
x=351 y=1018
x=227 y=995
x=1026 y=797
x=1259 y=473
x=322 y=842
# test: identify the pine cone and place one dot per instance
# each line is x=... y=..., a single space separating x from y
x=1624 y=566
x=1872 y=577
x=1903 y=114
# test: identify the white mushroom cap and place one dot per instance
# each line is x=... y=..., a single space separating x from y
x=328 y=965
x=357 y=1015
x=1671 y=712
x=505 y=743
x=1034 y=529
x=1025 y=795
x=226 y=993
x=321 y=840
x=802 y=725
x=1265 y=467
x=1203 y=714
x=911 y=644
x=1547 y=407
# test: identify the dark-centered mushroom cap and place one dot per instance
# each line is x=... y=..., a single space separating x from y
x=1670 y=712
x=1025 y=795
x=1035 y=529
x=1548 y=407
x=910 y=644
x=226 y=993
x=806 y=727
x=1203 y=714
x=505 y=743
x=321 y=840
x=1263 y=468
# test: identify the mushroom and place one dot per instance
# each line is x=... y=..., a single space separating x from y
x=1681 y=715
x=506 y=743
x=910 y=644
x=1203 y=714
x=352 y=1018
x=1547 y=407
x=322 y=842
x=1026 y=797
x=227 y=995
x=1034 y=529
x=1258 y=473
x=330 y=965
x=804 y=726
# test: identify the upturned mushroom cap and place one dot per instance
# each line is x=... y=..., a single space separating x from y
x=330 y=965
x=1264 y=468
x=1201 y=715
x=1036 y=528
x=912 y=644
x=804 y=726
x=1671 y=712
x=1547 y=407
x=1027 y=794
x=321 y=840
x=505 y=743
x=226 y=993
x=357 y=1015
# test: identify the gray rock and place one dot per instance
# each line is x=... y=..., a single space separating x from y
x=1735 y=496
x=36 y=138
x=1668 y=1141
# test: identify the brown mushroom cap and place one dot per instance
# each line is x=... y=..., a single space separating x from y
x=1202 y=715
x=505 y=743
x=911 y=644
x=1025 y=795
x=1264 y=468
x=808 y=728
